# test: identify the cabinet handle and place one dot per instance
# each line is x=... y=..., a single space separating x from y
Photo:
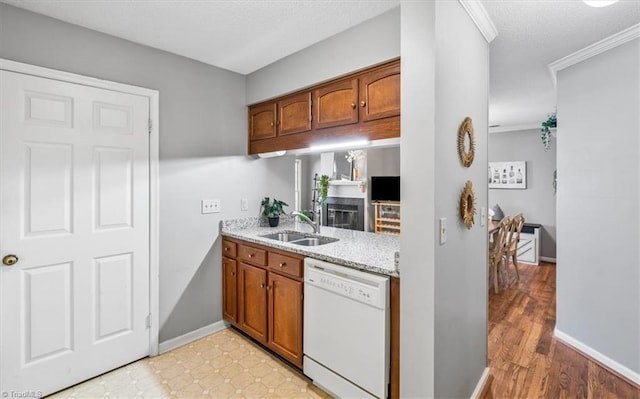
x=283 y=264
x=353 y=105
x=363 y=103
x=268 y=287
x=226 y=249
x=262 y=285
x=272 y=124
x=233 y=273
x=251 y=255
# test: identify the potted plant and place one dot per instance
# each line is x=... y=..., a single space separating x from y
x=545 y=130
x=272 y=210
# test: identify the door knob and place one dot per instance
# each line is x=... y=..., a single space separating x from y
x=9 y=260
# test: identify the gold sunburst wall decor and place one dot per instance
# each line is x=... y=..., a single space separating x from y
x=467 y=204
x=466 y=142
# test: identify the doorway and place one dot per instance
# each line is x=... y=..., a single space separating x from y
x=79 y=225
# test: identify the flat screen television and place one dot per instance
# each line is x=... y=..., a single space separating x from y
x=385 y=188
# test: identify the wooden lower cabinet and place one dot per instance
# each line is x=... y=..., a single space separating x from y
x=263 y=296
x=252 y=301
x=230 y=289
x=285 y=317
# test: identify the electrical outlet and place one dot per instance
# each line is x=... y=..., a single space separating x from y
x=215 y=204
x=244 y=204
x=210 y=206
x=443 y=231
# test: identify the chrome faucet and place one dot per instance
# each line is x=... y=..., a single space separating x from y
x=305 y=218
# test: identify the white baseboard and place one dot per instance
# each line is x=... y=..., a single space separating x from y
x=480 y=386
x=597 y=356
x=546 y=259
x=189 y=337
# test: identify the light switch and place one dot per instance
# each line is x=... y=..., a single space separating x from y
x=483 y=216
x=244 y=204
x=211 y=206
x=443 y=231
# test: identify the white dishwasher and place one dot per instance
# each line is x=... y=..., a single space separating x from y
x=346 y=330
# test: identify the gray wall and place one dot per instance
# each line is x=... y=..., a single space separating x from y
x=369 y=43
x=461 y=270
x=202 y=122
x=383 y=161
x=538 y=201
x=444 y=287
x=598 y=273
x=417 y=163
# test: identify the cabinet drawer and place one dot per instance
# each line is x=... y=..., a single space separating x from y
x=527 y=250
x=252 y=255
x=229 y=249
x=285 y=264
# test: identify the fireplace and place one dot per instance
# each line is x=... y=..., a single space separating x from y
x=344 y=213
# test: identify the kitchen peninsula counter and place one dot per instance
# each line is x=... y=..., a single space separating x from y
x=361 y=250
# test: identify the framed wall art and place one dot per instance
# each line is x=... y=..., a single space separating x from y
x=511 y=174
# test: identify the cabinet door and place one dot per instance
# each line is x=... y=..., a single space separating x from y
x=336 y=104
x=229 y=290
x=294 y=114
x=252 y=300
x=380 y=93
x=285 y=317
x=262 y=121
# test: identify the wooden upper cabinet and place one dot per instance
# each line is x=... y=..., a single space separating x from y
x=262 y=121
x=362 y=105
x=294 y=114
x=380 y=93
x=336 y=104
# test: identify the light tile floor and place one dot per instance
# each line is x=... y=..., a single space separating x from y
x=222 y=365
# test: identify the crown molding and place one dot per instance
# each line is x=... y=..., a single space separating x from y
x=479 y=16
x=603 y=45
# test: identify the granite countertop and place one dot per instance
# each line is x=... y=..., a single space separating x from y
x=370 y=252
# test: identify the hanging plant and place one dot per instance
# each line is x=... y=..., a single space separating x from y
x=545 y=132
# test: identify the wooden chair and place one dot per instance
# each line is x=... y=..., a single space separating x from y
x=511 y=244
x=496 y=251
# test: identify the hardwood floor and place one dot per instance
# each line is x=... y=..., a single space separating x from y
x=525 y=360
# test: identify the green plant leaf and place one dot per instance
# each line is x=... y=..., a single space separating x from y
x=273 y=208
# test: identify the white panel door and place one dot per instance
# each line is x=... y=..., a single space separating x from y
x=74 y=210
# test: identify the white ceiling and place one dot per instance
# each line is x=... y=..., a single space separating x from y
x=532 y=34
x=239 y=35
x=246 y=35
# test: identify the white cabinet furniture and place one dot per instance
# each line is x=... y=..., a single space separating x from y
x=529 y=245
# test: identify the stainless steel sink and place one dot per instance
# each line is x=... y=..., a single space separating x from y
x=286 y=236
x=297 y=238
x=314 y=241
